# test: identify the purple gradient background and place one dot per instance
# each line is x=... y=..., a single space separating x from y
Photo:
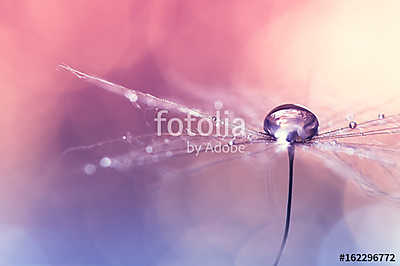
x=267 y=49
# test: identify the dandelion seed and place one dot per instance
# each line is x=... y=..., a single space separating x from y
x=286 y=127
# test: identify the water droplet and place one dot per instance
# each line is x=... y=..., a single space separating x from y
x=231 y=142
x=214 y=118
x=89 y=169
x=353 y=124
x=132 y=96
x=290 y=123
x=128 y=137
x=166 y=141
x=149 y=149
x=105 y=162
x=381 y=116
x=218 y=105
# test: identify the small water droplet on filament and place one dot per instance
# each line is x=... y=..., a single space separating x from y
x=105 y=162
x=149 y=149
x=353 y=124
x=381 y=116
x=132 y=96
x=128 y=137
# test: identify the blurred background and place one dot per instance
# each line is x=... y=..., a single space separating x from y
x=336 y=57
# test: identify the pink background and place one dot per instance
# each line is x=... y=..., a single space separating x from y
x=333 y=56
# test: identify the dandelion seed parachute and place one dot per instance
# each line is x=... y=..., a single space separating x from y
x=370 y=163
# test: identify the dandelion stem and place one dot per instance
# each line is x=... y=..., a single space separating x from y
x=291 y=149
